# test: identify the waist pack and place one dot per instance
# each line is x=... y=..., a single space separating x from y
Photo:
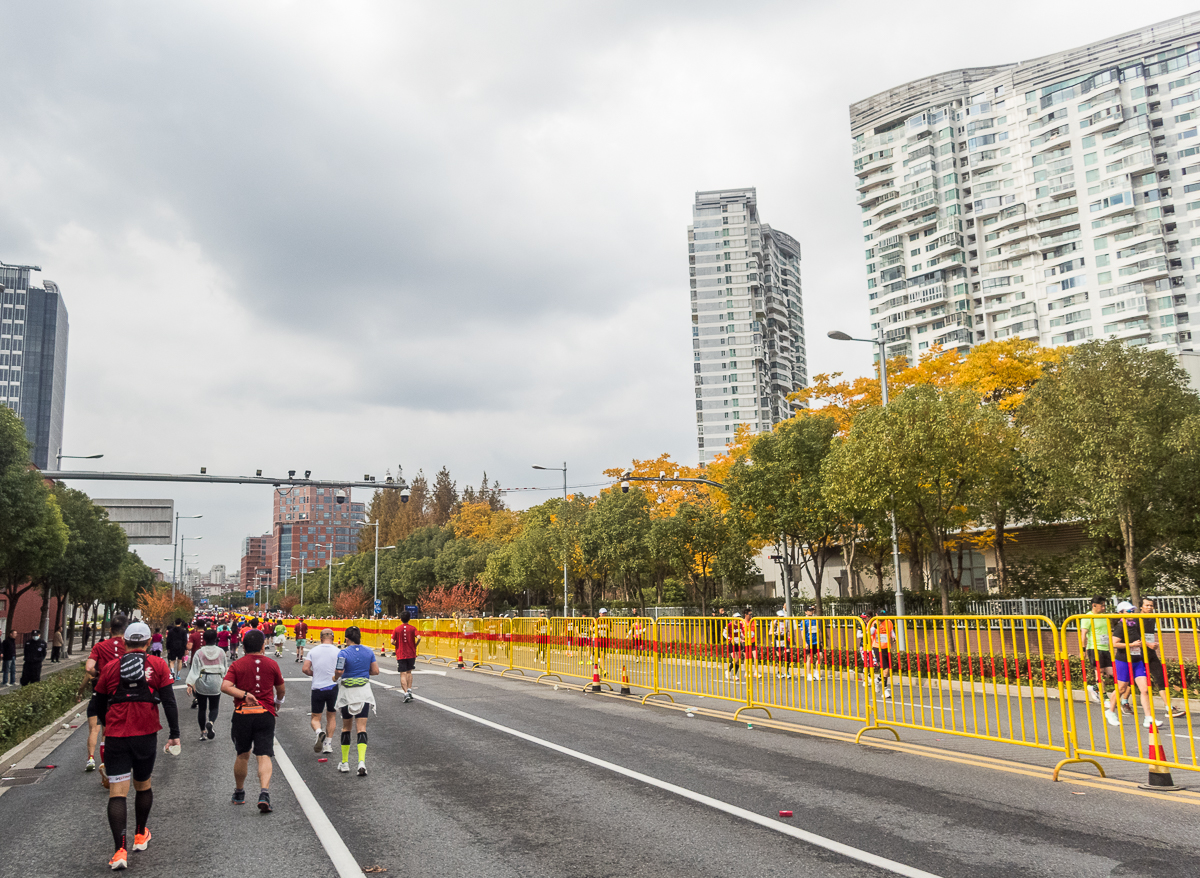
x=134 y=683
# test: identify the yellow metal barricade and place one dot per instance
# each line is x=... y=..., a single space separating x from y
x=570 y=650
x=810 y=664
x=704 y=655
x=528 y=644
x=993 y=678
x=1106 y=655
x=624 y=647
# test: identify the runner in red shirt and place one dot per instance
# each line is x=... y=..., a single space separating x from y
x=130 y=690
x=405 y=639
x=103 y=652
x=256 y=685
x=301 y=638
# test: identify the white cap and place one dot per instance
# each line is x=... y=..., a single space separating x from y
x=1125 y=607
x=737 y=615
x=603 y=612
x=781 y=612
x=138 y=632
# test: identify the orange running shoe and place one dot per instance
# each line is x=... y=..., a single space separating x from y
x=119 y=861
x=141 y=840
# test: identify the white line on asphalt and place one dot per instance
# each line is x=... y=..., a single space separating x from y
x=339 y=854
x=766 y=822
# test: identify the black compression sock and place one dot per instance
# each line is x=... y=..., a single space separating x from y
x=142 y=800
x=116 y=820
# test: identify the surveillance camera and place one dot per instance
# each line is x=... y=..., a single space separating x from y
x=624 y=487
x=291 y=474
x=404 y=495
x=203 y=470
x=258 y=473
x=389 y=480
x=340 y=496
x=307 y=473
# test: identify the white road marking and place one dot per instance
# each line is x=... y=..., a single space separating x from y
x=733 y=810
x=345 y=863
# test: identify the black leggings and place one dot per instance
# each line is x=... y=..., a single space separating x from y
x=209 y=703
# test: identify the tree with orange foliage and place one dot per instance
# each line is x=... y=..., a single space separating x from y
x=441 y=601
x=351 y=603
x=288 y=604
x=158 y=608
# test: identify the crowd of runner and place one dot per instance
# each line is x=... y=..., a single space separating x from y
x=134 y=673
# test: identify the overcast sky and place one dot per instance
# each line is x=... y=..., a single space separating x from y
x=349 y=236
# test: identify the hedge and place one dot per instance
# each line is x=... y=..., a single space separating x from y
x=27 y=710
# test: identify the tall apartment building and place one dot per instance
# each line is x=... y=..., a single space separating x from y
x=747 y=318
x=33 y=357
x=306 y=520
x=257 y=565
x=1056 y=199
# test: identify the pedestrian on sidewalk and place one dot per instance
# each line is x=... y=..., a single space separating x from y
x=56 y=647
x=35 y=654
x=130 y=690
x=355 y=666
x=405 y=639
x=320 y=663
x=204 y=682
x=256 y=685
x=8 y=660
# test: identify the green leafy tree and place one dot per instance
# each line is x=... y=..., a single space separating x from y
x=1103 y=432
x=615 y=540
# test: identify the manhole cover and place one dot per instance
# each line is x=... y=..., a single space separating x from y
x=23 y=777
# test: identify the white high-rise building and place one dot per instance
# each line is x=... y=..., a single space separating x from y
x=1056 y=199
x=747 y=318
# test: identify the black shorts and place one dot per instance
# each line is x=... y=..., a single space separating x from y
x=883 y=659
x=175 y=655
x=324 y=700
x=123 y=756
x=366 y=711
x=92 y=710
x=253 y=728
x=1101 y=657
x=1154 y=668
x=405 y=666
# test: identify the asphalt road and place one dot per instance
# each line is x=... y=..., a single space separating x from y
x=640 y=791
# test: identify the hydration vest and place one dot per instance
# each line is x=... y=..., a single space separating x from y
x=133 y=683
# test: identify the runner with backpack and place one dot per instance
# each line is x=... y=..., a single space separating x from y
x=129 y=692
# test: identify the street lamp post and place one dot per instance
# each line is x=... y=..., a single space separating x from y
x=375 y=601
x=881 y=344
x=175 y=550
x=182 y=565
x=566 y=552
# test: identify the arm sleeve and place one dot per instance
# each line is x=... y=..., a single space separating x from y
x=170 y=709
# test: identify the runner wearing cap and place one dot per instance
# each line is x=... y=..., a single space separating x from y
x=130 y=690
x=780 y=634
x=355 y=666
x=810 y=635
x=1096 y=654
x=1129 y=650
x=734 y=632
x=1154 y=666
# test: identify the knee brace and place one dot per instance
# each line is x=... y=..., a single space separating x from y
x=362 y=737
x=346 y=739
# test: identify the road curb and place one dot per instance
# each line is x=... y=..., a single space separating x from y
x=20 y=751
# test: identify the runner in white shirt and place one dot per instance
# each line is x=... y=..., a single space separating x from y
x=320 y=663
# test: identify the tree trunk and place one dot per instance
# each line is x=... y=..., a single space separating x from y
x=916 y=563
x=44 y=617
x=1131 y=573
x=877 y=564
x=1001 y=560
x=944 y=579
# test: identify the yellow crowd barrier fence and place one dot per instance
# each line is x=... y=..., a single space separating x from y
x=1075 y=689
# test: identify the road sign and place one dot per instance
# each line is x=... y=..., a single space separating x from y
x=413 y=610
x=250 y=594
x=378 y=607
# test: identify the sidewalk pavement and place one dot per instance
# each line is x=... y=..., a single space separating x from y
x=48 y=668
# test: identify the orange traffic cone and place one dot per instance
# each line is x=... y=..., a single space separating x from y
x=1160 y=776
x=624 y=681
x=595 y=676
x=460 y=657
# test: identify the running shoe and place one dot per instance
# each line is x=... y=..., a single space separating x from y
x=119 y=861
x=809 y=678
x=1111 y=716
x=264 y=802
x=195 y=703
x=319 y=741
x=1093 y=695
x=362 y=769
x=141 y=840
x=1149 y=719
x=887 y=693
x=407 y=697
x=208 y=730
x=203 y=736
x=1178 y=712
x=344 y=767
x=239 y=797
x=91 y=764
x=1126 y=708
x=103 y=776
x=328 y=748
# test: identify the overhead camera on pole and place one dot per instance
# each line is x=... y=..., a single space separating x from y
x=404 y=494
x=340 y=496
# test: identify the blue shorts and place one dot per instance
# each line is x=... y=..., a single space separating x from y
x=1122 y=668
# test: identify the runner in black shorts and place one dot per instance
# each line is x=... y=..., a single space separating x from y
x=256 y=686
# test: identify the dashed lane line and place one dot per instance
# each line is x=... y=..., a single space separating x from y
x=828 y=844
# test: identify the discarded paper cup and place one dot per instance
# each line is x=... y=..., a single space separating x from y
x=175 y=749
